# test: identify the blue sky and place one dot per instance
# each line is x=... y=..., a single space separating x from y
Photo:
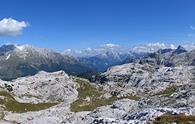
x=78 y=24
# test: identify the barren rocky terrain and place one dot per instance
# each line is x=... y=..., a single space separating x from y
x=140 y=92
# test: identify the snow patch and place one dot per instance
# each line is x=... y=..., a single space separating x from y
x=8 y=57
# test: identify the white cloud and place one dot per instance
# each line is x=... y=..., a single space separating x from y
x=189 y=46
x=172 y=46
x=192 y=27
x=110 y=45
x=11 y=27
x=152 y=47
x=191 y=35
x=158 y=45
x=68 y=50
x=89 y=49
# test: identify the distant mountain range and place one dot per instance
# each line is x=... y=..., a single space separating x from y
x=170 y=57
x=23 y=60
x=102 y=57
x=142 y=86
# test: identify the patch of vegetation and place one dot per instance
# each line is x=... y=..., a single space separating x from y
x=178 y=119
x=29 y=96
x=86 y=90
x=168 y=91
x=12 y=105
x=90 y=75
x=133 y=97
x=2 y=115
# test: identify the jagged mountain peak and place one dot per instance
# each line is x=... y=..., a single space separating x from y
x=32 y=48
x=98 y=51
x=23 y=60
x=7 y=48
x=15 y=47
x=179 y=50
x=26 y=50
x=24 y=46
x=102 y=57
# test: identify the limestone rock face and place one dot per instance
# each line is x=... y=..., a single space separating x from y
x=146 y=78
x=133 y=93
x=43 y=88
x=120 y=115
x=116 y=111
x=156 y=91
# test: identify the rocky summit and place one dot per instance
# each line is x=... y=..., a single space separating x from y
x=157 y=88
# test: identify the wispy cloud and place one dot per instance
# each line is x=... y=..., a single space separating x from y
x=192 y=27
x=153 y=47
x=110 y=45
x=191 y=35
x=11 y=27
